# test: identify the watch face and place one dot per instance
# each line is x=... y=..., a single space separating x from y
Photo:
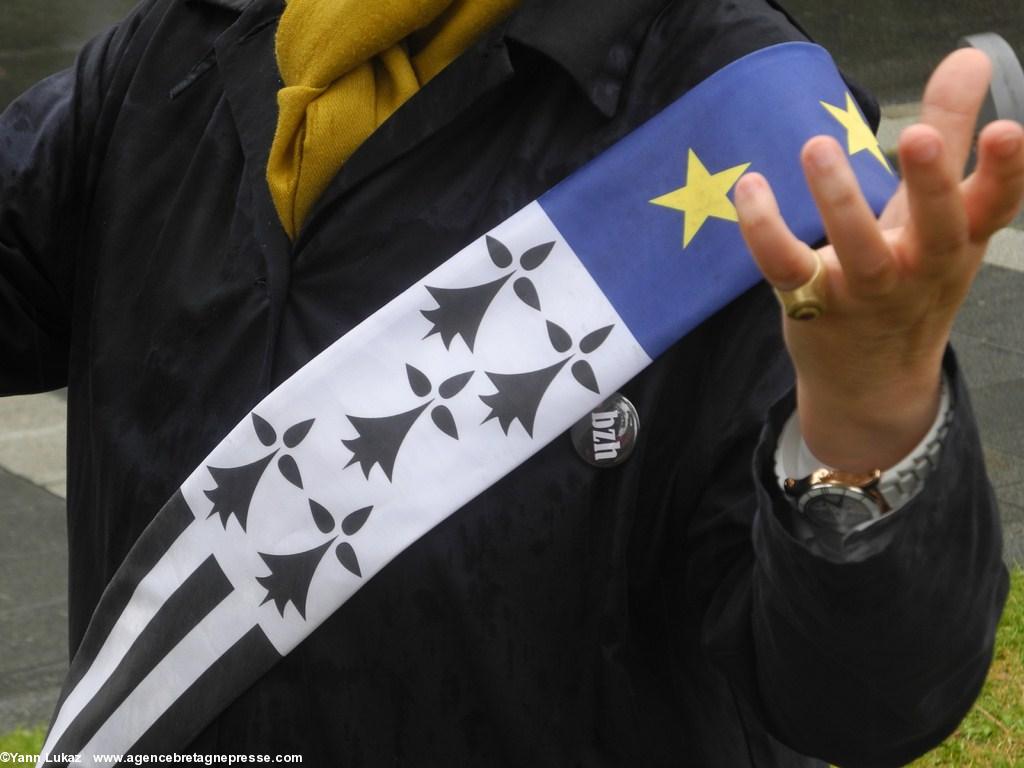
x=840 y=508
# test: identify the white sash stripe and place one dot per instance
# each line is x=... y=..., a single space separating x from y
x=183 y=557
x=201 y=648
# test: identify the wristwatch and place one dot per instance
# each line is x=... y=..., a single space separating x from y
x=839 y=500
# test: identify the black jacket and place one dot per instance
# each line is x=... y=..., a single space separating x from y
x=656 y=614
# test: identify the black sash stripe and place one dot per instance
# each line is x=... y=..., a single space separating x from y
x=199 y=594
x=167 y=526
x=241 y=665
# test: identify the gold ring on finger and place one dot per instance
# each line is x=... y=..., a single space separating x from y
x=807 y=301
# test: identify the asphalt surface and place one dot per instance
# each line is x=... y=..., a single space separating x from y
x=33 y=602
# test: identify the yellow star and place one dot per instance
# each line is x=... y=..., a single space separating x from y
x=705 y=195
x=859 y=137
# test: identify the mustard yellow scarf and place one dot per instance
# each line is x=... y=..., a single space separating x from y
x=347 y=65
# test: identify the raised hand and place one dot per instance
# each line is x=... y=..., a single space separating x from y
x=869 y=368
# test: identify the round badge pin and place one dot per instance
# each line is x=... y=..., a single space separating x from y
x=606 y=436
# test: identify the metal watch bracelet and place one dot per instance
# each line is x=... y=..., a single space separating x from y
x=901 y=482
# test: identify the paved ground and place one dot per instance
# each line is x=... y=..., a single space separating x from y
x=33 y=607
x=989 y=336
x=33 y=558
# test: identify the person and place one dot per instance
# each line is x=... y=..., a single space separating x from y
x=669 y=611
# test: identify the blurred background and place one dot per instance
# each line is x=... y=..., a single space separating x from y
x=888 y=46
x=891 y=47
x=37 y=38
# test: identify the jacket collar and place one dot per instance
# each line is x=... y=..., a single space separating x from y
x=595 y=41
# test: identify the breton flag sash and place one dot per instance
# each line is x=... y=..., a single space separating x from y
x=441 y=393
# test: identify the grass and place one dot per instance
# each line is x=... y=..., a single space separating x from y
x=23 y=741
x=991 y=736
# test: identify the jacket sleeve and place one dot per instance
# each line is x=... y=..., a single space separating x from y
x=48 y=145
x=895 y=647
x=868 y=661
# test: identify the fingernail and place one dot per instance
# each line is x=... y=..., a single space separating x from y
x=748 y=187
x=1007 y=146
x=823 y=156
x=925 y=150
